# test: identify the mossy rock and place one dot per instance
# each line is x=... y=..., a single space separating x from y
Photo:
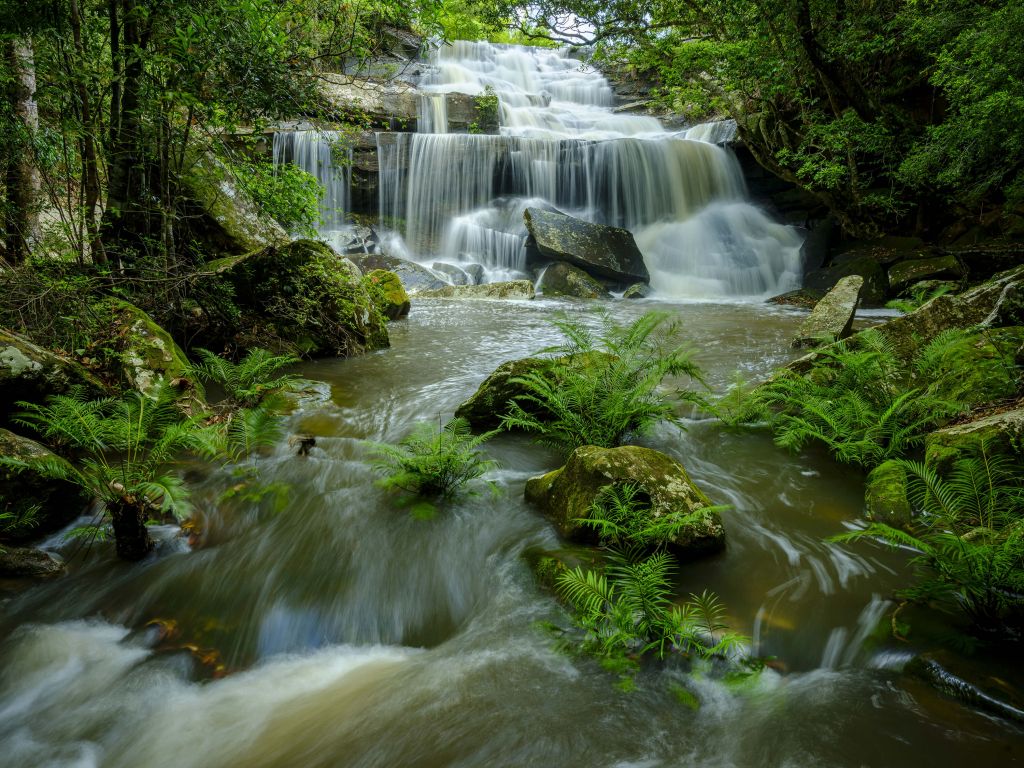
x=142 y=353
x=885 y=495
x=389 y=296
x=561 y=279
x=507 y=289
x=832 y=317
x=547 y=564
x=486 y=407
x=300 y=298
x=1001 y=433
x=29 y=372
x=25 y=563
x=876 y=284
x=982 y=365
x=801 y=298
x=58 y=502
x=566 y=495
x=637 y=291
x=904 y=273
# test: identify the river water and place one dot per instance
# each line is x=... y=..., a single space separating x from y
x=338 y=630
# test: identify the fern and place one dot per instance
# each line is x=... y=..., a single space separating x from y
x=247 y=382
x=919 y=296
x=604 y=387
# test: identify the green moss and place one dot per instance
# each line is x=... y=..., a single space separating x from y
x=486 y=112
x=388 y=293
x=886 y=495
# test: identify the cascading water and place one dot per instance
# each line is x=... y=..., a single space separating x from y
x=461 y=197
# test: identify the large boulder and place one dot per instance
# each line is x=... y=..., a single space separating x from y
x=26 y=563
x=56 y=502
x=561 y=279
x=301 y=298
x=454 y=274
x=415 y=277
x=567 y=494
x=510 y=289
x=885 y=495
x=136 y=351
x=599 y=249
x=388 y=294
x=29 y=372
x=876 y=284
x=832 y=317
x=238 y=226
x=903 y=273
x=1001 y=434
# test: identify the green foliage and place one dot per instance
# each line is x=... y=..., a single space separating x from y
x=432 y=463
x=628 y=609
x=605 y=386
x=969 y=534
x=856 y=401
x=247 y=382
x=919 y=296
x=284 y=192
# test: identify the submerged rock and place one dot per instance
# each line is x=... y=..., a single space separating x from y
x=390 y=295
x=567 y=494
x=832 y=317
x=29 y=372
x=637 y=291
x=511 y=289
x=561 y=279
x=599 y=249
x=885 y=495
x=971 y=682
x=415 y=277
x=26 y=563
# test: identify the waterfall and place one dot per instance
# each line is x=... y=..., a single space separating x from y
x=321 y=154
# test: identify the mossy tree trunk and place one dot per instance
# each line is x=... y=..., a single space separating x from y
x=23 y=181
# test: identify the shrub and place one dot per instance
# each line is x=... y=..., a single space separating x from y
x=614 y=394
x=247 y=382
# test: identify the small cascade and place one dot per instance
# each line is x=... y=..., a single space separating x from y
x=320 y=154
x=433 y=113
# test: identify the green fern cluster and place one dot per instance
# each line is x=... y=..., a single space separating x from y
x=247 y=382
x=919 y=296
x=614 y=393
x=628 y=609
x=432 y=462
x=969 y=533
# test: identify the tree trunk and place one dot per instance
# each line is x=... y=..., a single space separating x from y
x=131 y=537
x=23 y=180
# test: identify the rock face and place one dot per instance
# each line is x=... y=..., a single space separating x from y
x=1002 y=433
x=903 y=273
x=885 y=495
x=511 y=289
x=832 y=317
x=415 y=277
x=302 y=298
x=145 y=352
x=29 y=372
x=240 y=227
x=21 y=562
x=390 y=296
x=561 y=279
x=566 y=495
x=58 y=502
x=600 y=250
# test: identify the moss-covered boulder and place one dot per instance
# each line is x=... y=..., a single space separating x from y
x=832 y=317
x=567 y=494
x=389 y=294
x=301 y=298
x=903 y=273
x=237 y=225
x=415 y=277
x=55 y=502
x=29 y=372
x=1001 y=433
x=26 y=563
x=137 y=352
x=601 y=250
x=981 y=365
x=508 y=289
x=876 y=283
x=561 y=279
x=885 y=495
x=637 y=291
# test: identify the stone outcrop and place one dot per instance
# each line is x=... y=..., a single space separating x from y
x=832 y=317
x=29 y=372
x=511 y=289
x=601 y=250
x=561 y=279
x=567 y=494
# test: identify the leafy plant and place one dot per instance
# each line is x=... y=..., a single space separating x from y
x=919 y=295
x=604 y=387
x=433 y=463
x=249 y=380
x=629 y=609
x=969 y=534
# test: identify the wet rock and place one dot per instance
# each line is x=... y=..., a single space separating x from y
x=561 y=279
x=237 y=224
x=1001 y=433
x=455 y=275
x=566 y=495
x=904 y=273
x=358 y=239
x=26 y=563
x=303 y=443
x=415 y=277
x=885 y=495
x=876 y=284
x=637 y=291
x=390 y=296
x=58 y=502
x=29 y=372
x=144 y=353
x=832 y=317
x=302 y=298
x=801 y=297
x=511 y=289
x=393 y=104
x=601 y=250
x=972 y=682
x=475 y=273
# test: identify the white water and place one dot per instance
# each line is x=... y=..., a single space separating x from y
x=460 y=197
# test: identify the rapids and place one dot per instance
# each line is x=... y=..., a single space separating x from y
x=352 y=634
